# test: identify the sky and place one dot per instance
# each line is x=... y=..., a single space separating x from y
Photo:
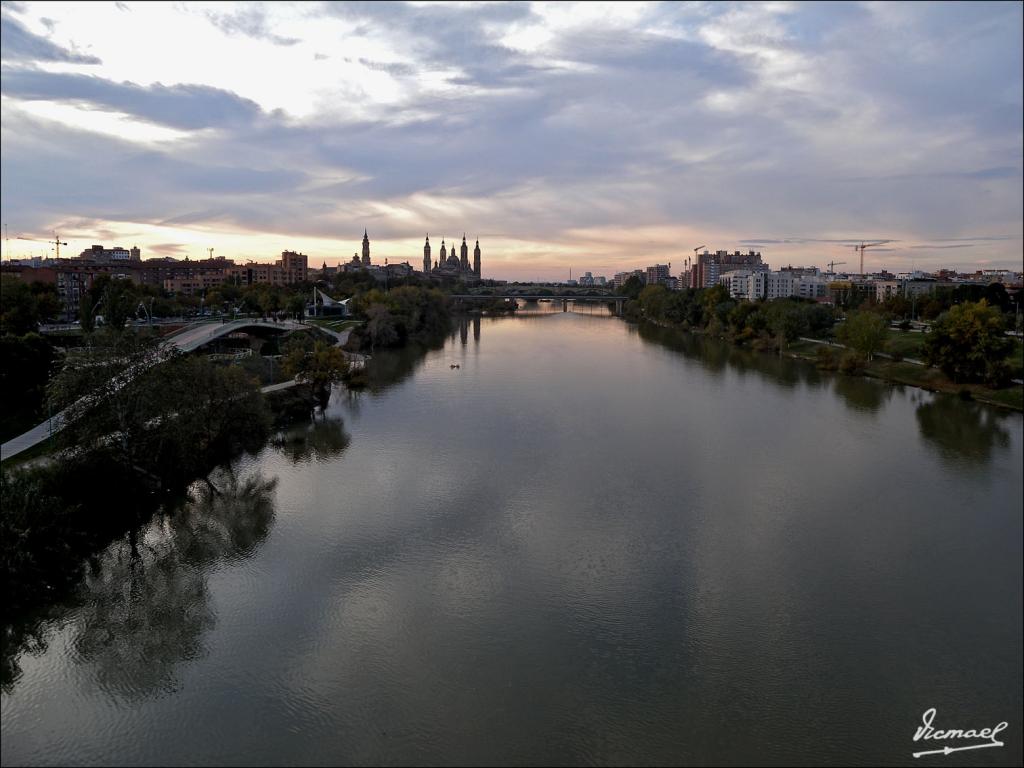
x=592 y=137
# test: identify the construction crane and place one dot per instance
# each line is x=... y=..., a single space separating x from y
x=862 y=247
x=832 y=266
x=56 y=241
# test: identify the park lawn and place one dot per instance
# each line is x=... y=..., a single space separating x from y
x=905 y=344
x=934 y=379
x=335 y=324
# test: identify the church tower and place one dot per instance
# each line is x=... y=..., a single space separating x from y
x=464 y=261
x=426 y=256
x=444 y=253
x=366 y=249
x=476 y=259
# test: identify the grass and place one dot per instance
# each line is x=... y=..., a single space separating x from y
x=905 y=344
x=908 y=345
x=335 y=324
x=933 y=379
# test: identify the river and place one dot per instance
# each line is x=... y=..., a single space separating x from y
x=588 y=543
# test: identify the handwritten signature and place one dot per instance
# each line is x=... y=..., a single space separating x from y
x=928 y=732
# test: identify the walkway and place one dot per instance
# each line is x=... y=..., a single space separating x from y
x=187 y=340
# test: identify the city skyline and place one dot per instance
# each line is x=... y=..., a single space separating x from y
x=590 y=137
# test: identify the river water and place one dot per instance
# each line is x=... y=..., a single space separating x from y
x=589 y=543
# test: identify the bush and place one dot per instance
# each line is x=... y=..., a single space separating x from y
x=826 y=359
x=852 y=363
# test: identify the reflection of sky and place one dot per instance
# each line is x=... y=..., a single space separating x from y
x=584 y=547
x=564 y=136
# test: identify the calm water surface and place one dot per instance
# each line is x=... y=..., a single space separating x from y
x=588 y=544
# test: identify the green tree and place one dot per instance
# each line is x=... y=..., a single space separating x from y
x=297 y=307
x=787 y=320
x=968 y=343
x=864 y=332
x=632 y=286
x=148 y=407
x=19 y=309
x=320 y=367
x=380 y=326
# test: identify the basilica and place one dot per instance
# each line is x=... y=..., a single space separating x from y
x=451 y=264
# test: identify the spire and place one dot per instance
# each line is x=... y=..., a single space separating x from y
x=463 y=237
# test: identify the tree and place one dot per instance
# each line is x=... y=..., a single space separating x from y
x=297 y=307
x=787 y=320
x=22 y=308
x=864 y=332
x=380 y=326
x=321 y=366
x=968 y=343
x=632 y=287
x=146 y=406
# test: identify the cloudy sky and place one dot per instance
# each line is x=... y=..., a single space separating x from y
x=591 y=136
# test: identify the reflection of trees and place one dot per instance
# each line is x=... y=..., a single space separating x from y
x=862 y=394
x=962 y=430
x=146 y=601
x=393 y=366
x=320 y=440
x=716 y=356
x=25 y=635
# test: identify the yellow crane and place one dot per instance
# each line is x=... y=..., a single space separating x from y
x=862 y=247
x=832 y=266
x=56 y=241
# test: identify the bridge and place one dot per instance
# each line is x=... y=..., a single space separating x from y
x=564 y=298
x=187 y=340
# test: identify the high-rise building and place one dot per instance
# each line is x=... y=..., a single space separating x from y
x=705 y=272
x=295 y=266
x=658 y=274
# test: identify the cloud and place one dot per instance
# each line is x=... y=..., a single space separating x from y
x=560 y=126
x=178 y=106
x=166 y=249
x=18 y=44
x=251 y=21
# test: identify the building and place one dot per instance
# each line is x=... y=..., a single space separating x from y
x=708 y=267
x=291 y=268
x=886 y=289
x=755 y=285
x=658 y=274
x=194 y=286
x=295 y=266
x=117 y=253
x=452 y=265
x=621 y=277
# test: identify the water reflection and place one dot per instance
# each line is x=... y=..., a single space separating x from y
x=393 y=366
x=146 y=601
x=318 y=441
x=962 y=431
x=862 y=394
x=717 y=357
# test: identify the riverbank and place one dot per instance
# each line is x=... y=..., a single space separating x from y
x=916 y=375
x=889 y=370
